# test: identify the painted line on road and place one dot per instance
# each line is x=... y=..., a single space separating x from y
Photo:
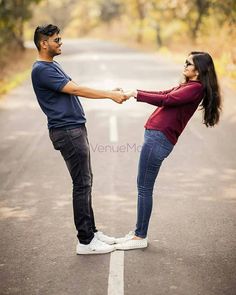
x=116 y=274
x=113 y=129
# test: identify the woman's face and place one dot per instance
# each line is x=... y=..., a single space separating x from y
x=189 y=69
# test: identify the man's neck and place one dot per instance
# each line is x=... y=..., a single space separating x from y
x=42 y=57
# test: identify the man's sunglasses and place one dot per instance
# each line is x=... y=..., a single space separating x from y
x=187 y=63
x=57 y=40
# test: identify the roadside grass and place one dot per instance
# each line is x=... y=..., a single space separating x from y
x=12 y=81
x=16 y=70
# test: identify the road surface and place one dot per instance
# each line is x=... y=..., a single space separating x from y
x=192 y=248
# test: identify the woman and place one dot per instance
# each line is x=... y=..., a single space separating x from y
x=175 y=107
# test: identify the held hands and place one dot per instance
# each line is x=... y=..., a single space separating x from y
x=119 y=96
x=131 y=93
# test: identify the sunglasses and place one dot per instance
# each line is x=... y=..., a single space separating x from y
x=57 y=40
x=187 y=63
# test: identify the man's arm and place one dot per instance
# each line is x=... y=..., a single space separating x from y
x=74 y=89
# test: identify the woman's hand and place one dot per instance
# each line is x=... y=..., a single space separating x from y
x=131 y=93
x=120 y=96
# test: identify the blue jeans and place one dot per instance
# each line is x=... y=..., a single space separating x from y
x=74 y=147
x=155 y=149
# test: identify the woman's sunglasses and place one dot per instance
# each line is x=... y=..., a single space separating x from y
x=187 y=63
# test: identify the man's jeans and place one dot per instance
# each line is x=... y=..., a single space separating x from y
x=155 y=149
x=74 y=147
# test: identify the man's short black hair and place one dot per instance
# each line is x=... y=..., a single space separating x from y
x=43 y=32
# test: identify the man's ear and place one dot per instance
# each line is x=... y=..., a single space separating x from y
x=43 y=44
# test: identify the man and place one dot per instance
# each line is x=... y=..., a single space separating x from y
x=57 y=97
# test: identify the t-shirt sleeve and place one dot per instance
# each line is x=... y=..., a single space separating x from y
x=52 y=79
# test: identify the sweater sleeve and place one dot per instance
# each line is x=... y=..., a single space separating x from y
x=178 y=96
x=157 y=92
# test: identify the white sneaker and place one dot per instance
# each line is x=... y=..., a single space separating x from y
x=94 y=247
x=132 y=244
x=128 y=237
x=104 y=238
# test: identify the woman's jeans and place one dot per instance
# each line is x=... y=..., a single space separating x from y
x=155 y=149
x=74 y=147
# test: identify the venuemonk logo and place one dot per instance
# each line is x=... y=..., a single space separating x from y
x=118 y=148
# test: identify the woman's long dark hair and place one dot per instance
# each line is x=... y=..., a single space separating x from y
x=212 y=101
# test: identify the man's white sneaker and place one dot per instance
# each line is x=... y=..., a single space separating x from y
x=132 y=244
x=94 y=247
x=104 y=238
x=128 y=237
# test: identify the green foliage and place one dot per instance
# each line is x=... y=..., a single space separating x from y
x=56 y=12
x=109 y=9
x=13 y=14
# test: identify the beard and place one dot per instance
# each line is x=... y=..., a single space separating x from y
x=53 y=52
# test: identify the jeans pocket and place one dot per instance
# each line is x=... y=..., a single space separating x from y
x=58 y=139
x=75 y=133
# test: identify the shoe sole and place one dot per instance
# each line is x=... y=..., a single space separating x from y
x=94 y=252
x=131 y=247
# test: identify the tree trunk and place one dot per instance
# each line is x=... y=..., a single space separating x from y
x=158 y=35
x=141 y=14
x=202 y=7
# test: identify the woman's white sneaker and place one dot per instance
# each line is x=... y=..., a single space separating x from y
x=94 y=247
x=128 y=237
x=104 y=238
x=132 y=244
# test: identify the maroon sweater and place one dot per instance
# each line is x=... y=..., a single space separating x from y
x=175 y=107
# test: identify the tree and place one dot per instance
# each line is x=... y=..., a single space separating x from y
x=13 y=14
x=192 y=13
x=109 y=10
x=55 y=12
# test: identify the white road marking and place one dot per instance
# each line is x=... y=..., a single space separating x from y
x=116 y=274
x=113 y=129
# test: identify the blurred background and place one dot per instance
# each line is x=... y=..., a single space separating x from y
x=171 y=27
x=131 y=44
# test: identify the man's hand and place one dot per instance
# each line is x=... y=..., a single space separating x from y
x=117 y=89
x=118 y=96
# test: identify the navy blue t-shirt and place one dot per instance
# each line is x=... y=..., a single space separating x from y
x=61 y=109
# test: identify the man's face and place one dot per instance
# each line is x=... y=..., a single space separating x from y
x=53 y=45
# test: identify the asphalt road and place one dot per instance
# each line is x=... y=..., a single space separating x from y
x=192 y=234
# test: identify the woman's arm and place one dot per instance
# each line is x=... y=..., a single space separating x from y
x=157 y=92
x=176 y=97
x=134 y=93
